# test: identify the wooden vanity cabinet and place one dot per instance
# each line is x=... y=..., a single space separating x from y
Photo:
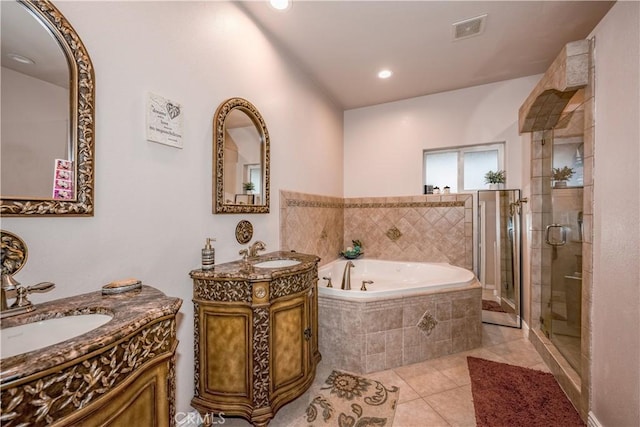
x=122 y=373
x=255 y=339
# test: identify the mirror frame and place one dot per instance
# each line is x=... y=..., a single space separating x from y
x=82 y=115
x=219 y=206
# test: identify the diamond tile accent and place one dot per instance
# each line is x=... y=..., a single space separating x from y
x=393 y=233
x=427 y=323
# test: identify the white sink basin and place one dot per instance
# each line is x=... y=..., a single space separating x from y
x=32 y=336
x=277 y=263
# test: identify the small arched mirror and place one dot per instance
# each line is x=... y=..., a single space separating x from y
x=47 y=114
x=241 y=159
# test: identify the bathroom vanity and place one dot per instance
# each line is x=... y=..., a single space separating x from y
x=255 y=334
x=121 y=371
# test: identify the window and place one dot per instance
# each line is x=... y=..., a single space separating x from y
x=462 y=168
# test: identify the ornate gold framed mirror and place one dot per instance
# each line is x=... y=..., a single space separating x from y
x=241 y=159
x=47 y=153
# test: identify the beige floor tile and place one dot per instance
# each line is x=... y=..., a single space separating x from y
x=409 y=371
x=493 y=334
x=519 y=352
x=485 y=353
x=417 y=413
x=541 y=367
x=430 y=383
x=446 y=362
x=390 y=378
x=455 y=406
x=458 y=374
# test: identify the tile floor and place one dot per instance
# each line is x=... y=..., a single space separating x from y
x=434 y=393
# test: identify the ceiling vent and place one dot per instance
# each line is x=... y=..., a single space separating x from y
x=469 y=27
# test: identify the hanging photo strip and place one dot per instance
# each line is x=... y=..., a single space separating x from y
x=63 y=180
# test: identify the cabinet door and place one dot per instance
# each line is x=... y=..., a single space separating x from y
x=290 y=341
x=225 y=353
x=143 y=401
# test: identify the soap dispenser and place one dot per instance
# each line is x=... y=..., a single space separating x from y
x=208 y=255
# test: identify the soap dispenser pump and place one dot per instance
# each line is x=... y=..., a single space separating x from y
x=208 y=255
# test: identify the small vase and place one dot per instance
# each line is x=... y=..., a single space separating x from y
x=560 y=184
x=497 y=186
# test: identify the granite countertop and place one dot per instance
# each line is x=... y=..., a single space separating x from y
x=239 y=270
x=130 y=310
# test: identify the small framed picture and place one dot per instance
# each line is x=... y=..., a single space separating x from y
x=244 y=199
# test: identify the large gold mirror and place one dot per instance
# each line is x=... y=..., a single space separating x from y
x=241 y=159
x=47 y=114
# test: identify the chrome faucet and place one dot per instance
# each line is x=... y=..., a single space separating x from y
x=11 y=288
x=346 y=276
x=258 y=245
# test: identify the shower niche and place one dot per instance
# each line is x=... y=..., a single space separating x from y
x=499 y=256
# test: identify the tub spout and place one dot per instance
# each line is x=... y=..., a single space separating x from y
x=346 y=277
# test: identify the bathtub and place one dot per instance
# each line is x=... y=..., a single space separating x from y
x=391 y=278
x=410 y=313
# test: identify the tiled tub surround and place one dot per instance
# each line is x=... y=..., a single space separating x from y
x=427 y=228
x=383 y=333
x=86 y=378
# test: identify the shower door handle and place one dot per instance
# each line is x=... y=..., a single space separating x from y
x=563 y=235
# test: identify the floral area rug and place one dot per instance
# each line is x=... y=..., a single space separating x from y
x=349 y=400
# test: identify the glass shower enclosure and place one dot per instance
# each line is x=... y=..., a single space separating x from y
x=499 y=256
x=562 y=201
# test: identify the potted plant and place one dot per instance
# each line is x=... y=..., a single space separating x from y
x=248 y=187
x=561 y=176
x=495 y=179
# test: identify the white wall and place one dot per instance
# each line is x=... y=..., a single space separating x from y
x=615 y=368
x=383 y=144
x=154 y=202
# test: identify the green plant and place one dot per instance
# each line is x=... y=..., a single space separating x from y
x=248 y=186
x=562 y=174
x=497 y=177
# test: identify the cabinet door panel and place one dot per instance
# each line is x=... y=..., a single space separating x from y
x=143 y=402
x=289 y=349
x=226 y=343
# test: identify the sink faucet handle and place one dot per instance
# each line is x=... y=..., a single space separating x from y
x=21 y=298
x=329 y=285
x=41 y=287
x=365 y=282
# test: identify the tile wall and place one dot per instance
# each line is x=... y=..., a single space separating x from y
x=435 y=228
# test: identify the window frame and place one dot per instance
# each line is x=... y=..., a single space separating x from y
x=460 y=150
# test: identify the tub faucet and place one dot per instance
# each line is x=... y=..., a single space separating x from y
x=258 y=245
x=346 y=276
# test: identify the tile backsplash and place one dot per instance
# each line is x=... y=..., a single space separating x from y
x=433 y=228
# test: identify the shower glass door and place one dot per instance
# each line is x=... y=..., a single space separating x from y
x=499 y=256
x=562 y=247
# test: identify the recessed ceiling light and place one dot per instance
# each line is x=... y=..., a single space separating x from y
x=280 y=4
x=21 y=59
x=385 y=74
